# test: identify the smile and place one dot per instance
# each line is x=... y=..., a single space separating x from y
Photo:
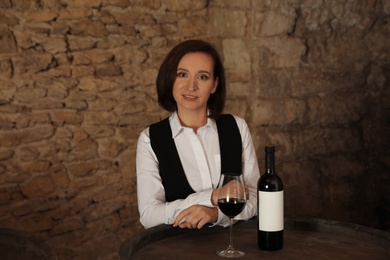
x=189 y=96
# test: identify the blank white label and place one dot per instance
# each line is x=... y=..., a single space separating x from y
x=271 y=211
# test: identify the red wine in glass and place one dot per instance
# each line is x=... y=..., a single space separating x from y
x=231 y=207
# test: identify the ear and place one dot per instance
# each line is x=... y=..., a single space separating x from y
x=216 y=82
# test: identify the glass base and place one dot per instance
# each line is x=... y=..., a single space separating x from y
x=230 y=253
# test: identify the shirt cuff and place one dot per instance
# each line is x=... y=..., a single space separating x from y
x=205 y=198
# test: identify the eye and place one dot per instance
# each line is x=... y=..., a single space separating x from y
x=181 y=74
x=203 y=76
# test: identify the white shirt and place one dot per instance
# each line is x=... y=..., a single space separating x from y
x=200 y=156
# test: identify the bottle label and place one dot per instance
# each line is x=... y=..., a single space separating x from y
x=271 y=216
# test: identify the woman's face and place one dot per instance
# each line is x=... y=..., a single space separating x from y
x=194 y=82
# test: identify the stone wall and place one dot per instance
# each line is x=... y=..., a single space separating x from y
x=77 y=87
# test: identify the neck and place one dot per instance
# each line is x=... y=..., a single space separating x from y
x=192 y=120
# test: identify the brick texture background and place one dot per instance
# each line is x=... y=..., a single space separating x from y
x=77 y=87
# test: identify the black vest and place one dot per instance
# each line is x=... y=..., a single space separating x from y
x=171 y=170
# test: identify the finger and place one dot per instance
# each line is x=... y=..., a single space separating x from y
x=201 y=223
x=185 y=224
x=180 y=217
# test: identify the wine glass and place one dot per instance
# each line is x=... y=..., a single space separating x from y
x=231 y=201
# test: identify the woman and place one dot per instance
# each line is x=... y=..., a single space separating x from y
x=179 y=160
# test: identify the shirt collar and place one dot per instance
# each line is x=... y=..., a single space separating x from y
x=177 y=128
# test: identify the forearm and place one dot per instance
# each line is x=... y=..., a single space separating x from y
x=154 y=212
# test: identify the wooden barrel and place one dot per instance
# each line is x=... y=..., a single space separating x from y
x=303 y=239
x=15 y=245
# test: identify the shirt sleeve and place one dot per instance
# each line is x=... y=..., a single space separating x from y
x=250 y=170
x=152 y=206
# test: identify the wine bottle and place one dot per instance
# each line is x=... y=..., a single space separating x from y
x=270 y=206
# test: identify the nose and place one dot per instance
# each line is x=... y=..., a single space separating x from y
x=192 y=84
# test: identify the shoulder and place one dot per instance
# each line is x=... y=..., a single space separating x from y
x=241 y=123
x=144 y=135
x=154 y=128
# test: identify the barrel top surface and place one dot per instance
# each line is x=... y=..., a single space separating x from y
x=303 y=239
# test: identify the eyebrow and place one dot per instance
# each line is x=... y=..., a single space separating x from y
x=201 y=71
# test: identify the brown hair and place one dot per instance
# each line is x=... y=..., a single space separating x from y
x=168 y=70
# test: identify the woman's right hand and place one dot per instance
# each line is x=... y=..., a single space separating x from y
x=196 y=216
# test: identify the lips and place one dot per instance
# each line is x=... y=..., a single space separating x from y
x=189 y=96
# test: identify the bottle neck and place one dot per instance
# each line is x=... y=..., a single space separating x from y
x=270 y=162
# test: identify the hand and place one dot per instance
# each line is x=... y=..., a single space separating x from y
x=196 y=216
x=215 y=192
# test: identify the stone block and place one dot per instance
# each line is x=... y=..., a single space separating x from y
x=313 y=82
x=52 y=44
x=60 y=177
x=237 y=107
x=67 y=225
x=22 y=209
x=111 y=223
x=339 y=167
x=27 y=153
x=111 y=148
x=230 y=3
x=47 y=104
x=6 y=154
x=40 y=16
x=6 y=123
x=82 y=3
x=236 y=59
x=131 y=57
x=79 y=43
x=81 y=169
x=228 y=23
x=108 y=70
x=27 y=94
x=278 y=111
x=100 y=210
x=184 y=5
x=281 y=52
x=82 y=71
x=5 y=4
x=6 y=72
x=272 y=23
x=38 y=166
x=6 y=194
x=99 y=131
x=240 y=89
x=100 y=118
x=28 y=135
x=32 y=63
x=38 y=186
x=36 y=223
x=127 y=18
x=7 y=42
x=94 y=56
x=83 y=151
x=269 y=83
x=97 y=84
x=271 y=136
x=66 y=117
x=191 y=26
x=11 y=174
x=336 y=108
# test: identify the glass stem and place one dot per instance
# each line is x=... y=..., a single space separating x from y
x=231 y=248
